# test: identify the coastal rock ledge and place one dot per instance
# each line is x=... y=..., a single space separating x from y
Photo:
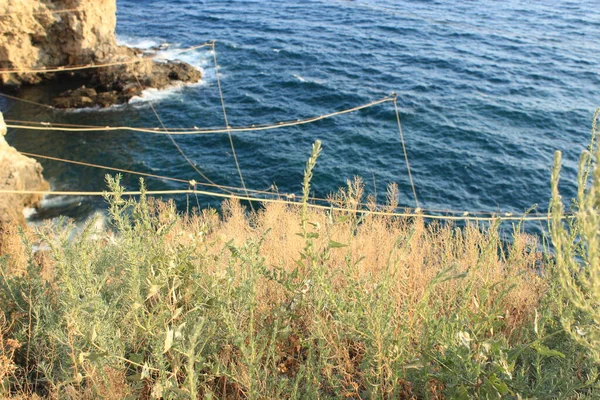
x=17 y=172
x=51 y=34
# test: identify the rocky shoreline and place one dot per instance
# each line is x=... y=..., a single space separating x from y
x=47 y=35
x=107 y=88
x=39 y=35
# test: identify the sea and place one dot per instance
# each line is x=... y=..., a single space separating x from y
x=487 y=92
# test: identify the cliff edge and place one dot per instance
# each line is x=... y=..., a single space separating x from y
x=17 y=172
x=50 y=34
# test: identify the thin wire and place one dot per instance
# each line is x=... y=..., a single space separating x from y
x=68 y=10
x=207 y=44
x=42 y=123
x=270 y=193
x=415 y=213
x=88 y=66
x=264 y=192
x=197 y=201
x=217 y=130
x=196 y=131
x=235 y=158
x=287 y=195
x=67 y=68
x=104 y=167
x=412 y=184
x=173 y=140
x=140 y=173
x=26 y=101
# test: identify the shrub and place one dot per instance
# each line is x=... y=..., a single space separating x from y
x=288 y=302
x=577 y=248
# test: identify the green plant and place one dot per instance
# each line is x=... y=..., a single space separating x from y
x=289 y=302
x=576 y=241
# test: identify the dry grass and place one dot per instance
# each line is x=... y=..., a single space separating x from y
x=294 y=303
x=377 y=314
x=377 y=248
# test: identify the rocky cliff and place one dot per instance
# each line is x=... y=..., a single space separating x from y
x=37 y=34
x=17 y=172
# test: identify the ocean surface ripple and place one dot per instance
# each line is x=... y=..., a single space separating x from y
x=487 y=92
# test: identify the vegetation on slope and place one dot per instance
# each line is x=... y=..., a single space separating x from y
x=295 y=303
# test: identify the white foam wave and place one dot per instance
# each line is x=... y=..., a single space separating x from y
x=28 y=212
x=201 y=59
x=157 y=95
x=59 y=201
x=98 y=228
x=301 y=79
x=142 y=43
x=40 y=247
x=154 y=95
x=307 y=80
x=94 y=109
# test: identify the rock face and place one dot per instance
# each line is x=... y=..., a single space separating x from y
x=17 y=172
x=37 y=34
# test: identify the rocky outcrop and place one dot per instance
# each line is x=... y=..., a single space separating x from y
x=113 y=87
x=43 y=33
x=37 y=34
x=17 y=172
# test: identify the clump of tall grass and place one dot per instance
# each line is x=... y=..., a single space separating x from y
x=577 y=245
x=287 y=302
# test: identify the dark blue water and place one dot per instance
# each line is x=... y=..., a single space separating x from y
x=487 y=92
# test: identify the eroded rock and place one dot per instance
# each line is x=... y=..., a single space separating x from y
x=33 y=35
x=17 y=172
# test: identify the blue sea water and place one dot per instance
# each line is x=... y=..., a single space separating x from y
x=487 y=91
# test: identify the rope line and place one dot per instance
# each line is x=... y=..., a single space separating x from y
x=68 y=10
x=206 y=44
x=45 y=126
x=51 y=125
x=66 y=68
x=195 y=131
x=233 y=152
x=85 y=164
x=263 y=192
x=8 y=96
x=287 y=195
x=127 y=171
x=466 y=215
x=415 y=213
x=88 y=66
x=410 y=178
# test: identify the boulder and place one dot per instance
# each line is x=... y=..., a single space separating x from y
x=78 y=98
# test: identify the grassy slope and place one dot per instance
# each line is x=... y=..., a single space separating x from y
x=285 y=303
